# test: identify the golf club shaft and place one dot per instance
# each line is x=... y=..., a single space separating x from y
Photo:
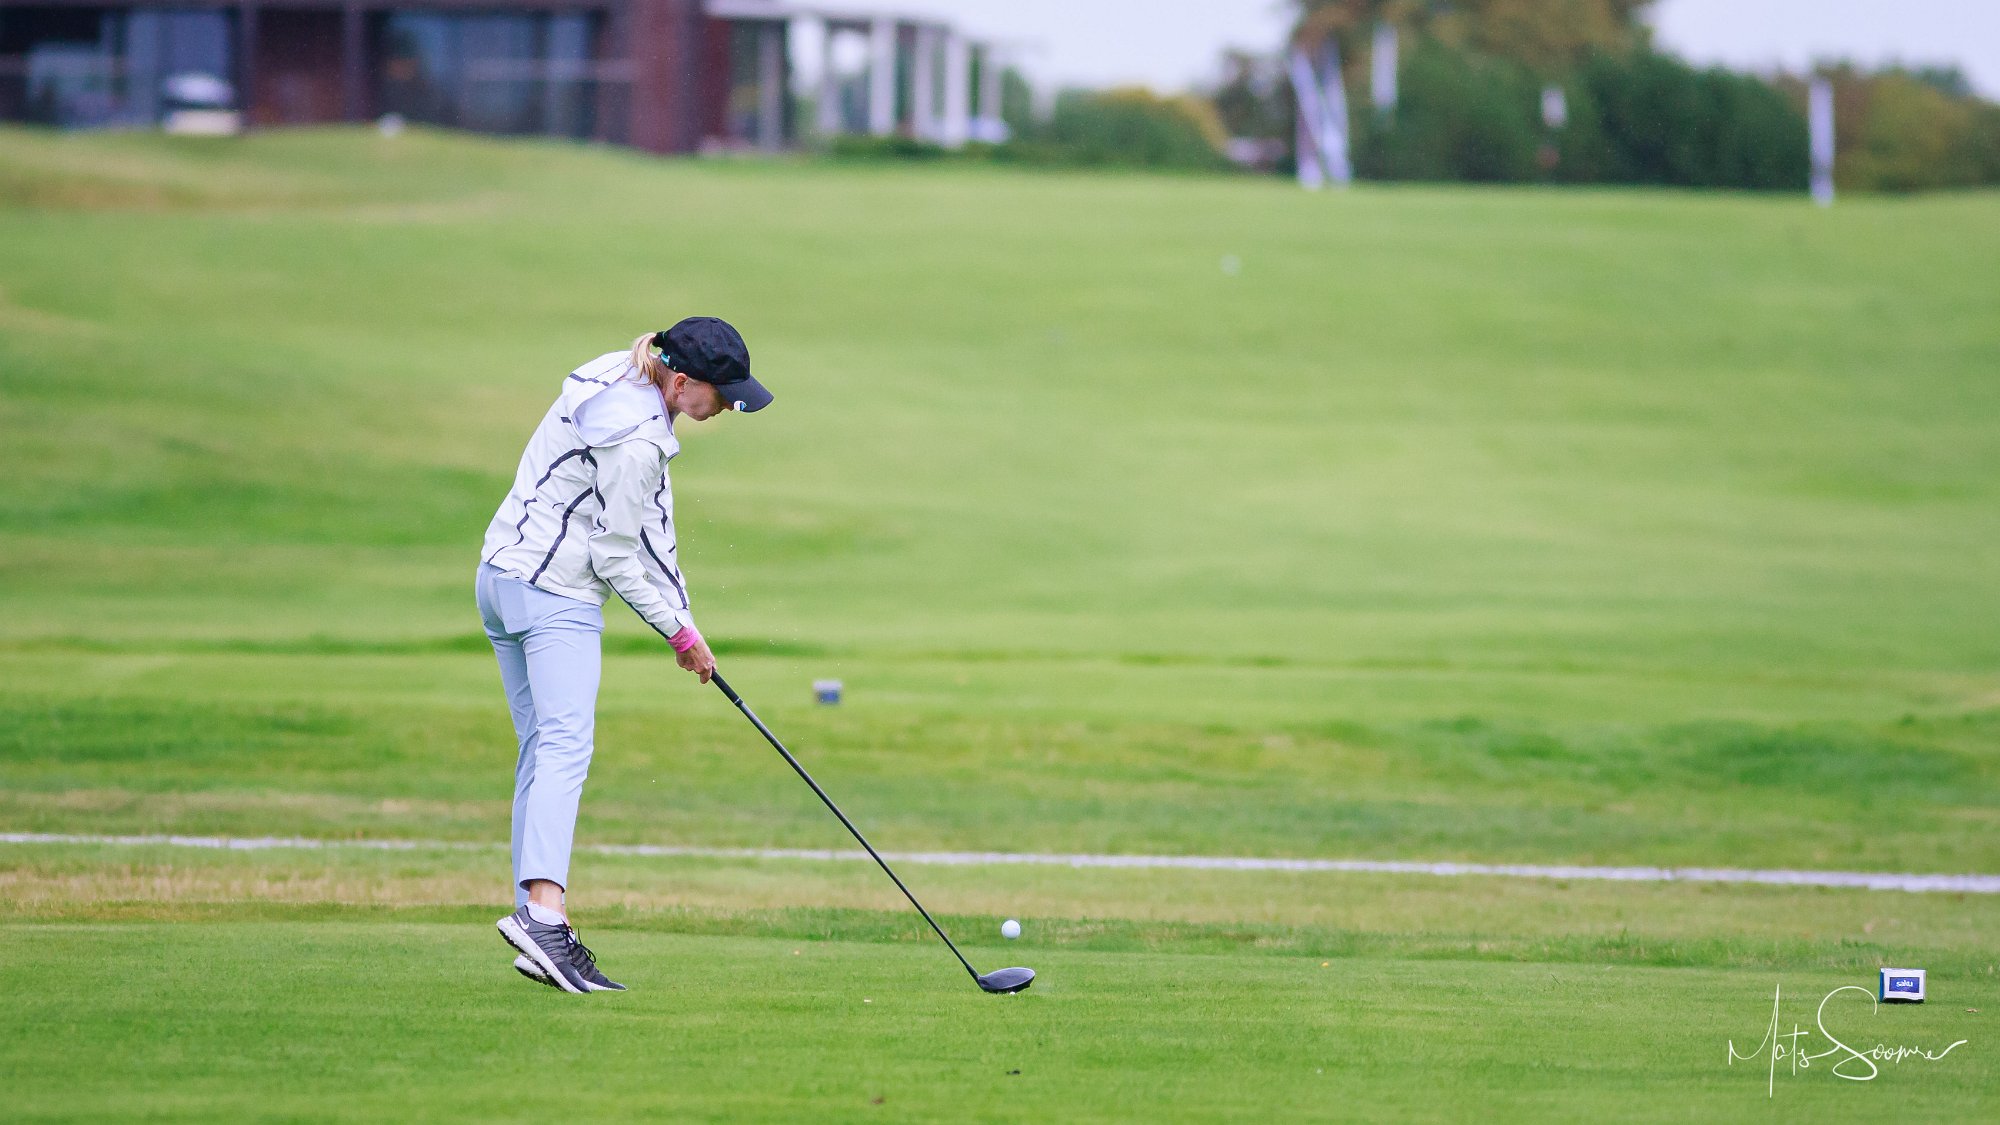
x=717 y=679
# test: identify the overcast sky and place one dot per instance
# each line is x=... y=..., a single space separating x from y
x=1171 y=44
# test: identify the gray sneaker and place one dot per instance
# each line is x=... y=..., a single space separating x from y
x=551 y=949
x=585 y=963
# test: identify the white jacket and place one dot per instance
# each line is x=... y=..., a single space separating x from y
x=591 y=510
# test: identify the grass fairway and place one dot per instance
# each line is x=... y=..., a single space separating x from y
x=758 y=1028
x=1501 y=526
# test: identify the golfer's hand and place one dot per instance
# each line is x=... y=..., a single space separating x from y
x=698 y=660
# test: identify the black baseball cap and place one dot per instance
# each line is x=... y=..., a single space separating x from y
x=707 y=348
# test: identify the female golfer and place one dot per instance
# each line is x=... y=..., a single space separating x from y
x=591 y=513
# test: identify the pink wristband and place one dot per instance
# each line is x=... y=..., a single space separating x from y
x=684 y=640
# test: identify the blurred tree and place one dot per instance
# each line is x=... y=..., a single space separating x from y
x=1549 y=37
x=1482 y=123
x=1947 y=80
x=1254 y=99
x=1914 y=136
x=1255 y=107
x=1017 y=102
x=1647 y=118
x=1461 y=116
x=1985 y=141
x=1908 y=130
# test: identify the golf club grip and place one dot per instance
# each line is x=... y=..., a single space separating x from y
x=718 y=681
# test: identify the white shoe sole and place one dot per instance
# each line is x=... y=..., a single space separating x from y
x=532 y=971
x=519 y=939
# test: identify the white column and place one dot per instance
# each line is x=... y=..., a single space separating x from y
x=957 y=92
x=1333 y=118
x=1310 y=134
x=1322 y=132
x=829 y=81
x=923 y=84
x=1382 y=69
x=1555 y=106
x=770 y=86
x=882 y=77
x=1819 y=128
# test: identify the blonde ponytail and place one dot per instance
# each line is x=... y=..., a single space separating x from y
x=650 y=367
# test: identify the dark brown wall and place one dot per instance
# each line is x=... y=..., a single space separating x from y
x=662 y=43
x=712 y=77
x=298 y=72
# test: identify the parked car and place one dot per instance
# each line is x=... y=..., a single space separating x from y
x=199 y=104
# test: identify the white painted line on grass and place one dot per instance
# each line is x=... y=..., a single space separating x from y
x=1869 y=880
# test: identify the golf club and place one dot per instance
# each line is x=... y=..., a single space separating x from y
x=999 y=980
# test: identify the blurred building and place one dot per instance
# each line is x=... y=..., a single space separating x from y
x=661 y=75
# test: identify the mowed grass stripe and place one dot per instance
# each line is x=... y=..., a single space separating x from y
x=1867 y=880
x=420 y=749
x=1250 y=912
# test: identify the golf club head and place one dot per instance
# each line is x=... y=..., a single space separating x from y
x=1007 y=980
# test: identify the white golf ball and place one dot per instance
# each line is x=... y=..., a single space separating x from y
x=1010 y=929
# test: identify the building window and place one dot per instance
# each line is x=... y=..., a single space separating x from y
x=85 y=68
x=530 y=73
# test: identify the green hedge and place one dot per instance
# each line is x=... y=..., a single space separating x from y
x=1459 y=117
x=1907 y=131
x=1638 y=118
x=1111 y=128
x=1128 y=128
x=1647 y=118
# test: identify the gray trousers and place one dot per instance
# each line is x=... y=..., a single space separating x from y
x=550 y=662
